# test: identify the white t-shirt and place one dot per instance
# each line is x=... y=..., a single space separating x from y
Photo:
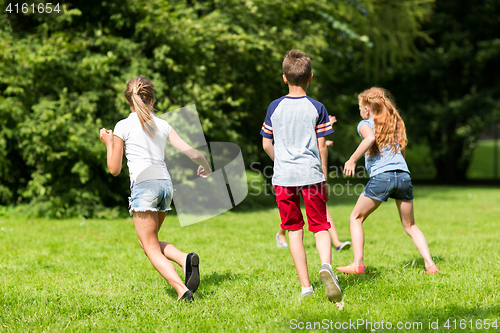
x=145 y=157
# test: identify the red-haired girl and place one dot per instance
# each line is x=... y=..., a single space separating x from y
x=384 y=140
x=144 y=136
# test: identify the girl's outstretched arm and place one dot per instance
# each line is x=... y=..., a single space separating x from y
x=369 y=139
x=114 y=147
x=204 y=169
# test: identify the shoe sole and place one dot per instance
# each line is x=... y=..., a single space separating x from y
x=332 y=288
x=194 y=280
x=345 y=247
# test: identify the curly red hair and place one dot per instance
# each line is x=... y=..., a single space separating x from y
x=390 y=129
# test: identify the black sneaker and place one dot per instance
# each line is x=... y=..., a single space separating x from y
x=187 y=296
x=192 y=271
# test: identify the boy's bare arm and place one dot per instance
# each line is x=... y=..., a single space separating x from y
x=268 y=146
x=323 y=153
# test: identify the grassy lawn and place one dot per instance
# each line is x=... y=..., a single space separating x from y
x=91 y=275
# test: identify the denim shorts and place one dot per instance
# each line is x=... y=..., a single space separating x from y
x=390 y=184
x=151 y=195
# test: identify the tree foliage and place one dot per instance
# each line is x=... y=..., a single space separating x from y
x=61 y=82
x=64 y=80
x=450 y=91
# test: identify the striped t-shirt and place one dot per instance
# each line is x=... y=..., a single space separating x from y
x=295 y=123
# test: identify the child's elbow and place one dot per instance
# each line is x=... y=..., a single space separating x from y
x=322 y=147
x=194 y=154
x=115 y=171
x=268 y=149
x=371 y=139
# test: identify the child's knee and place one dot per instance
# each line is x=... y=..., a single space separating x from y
x=356 y=218
x=142 y=247
x=408 y=226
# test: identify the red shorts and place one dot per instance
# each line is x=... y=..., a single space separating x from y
x=288 y=199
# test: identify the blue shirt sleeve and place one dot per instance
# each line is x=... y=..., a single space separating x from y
x=366 y=122
x=323 y=126
x=267 y=128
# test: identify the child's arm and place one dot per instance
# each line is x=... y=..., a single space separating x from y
x=114 y=147
x=333 y=120
x=268 y=146
x=204 y=169
x=369 y=139
x=323 y=153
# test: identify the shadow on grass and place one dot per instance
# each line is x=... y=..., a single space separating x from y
x=418 y=262
x=207 y=282
x=171 y=292
x=216 y=279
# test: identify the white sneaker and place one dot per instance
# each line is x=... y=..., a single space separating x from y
x=332 y=287
x=306 y=294
x=343 y=246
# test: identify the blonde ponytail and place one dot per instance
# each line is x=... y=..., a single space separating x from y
x=140 y=96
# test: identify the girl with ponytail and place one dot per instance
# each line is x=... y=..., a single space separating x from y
x=143 y=136
x=383 y=142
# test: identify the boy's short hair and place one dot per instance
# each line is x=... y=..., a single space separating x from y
x=297 y=67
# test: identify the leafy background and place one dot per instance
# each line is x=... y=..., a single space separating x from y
x=63 y=80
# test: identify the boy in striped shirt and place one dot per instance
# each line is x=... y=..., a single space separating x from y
x=298 y=125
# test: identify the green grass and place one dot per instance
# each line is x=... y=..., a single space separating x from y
x=80 y=276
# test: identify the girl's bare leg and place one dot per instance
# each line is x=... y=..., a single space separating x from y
x=147 y=226
x=408 y=220
x=332 y=230
x=168 y=249
x=364 y=207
